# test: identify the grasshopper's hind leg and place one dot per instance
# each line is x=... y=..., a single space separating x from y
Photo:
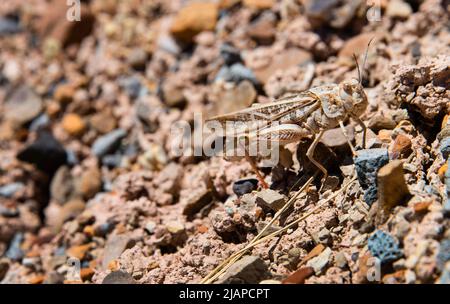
x=310 y=155
x=281 y=134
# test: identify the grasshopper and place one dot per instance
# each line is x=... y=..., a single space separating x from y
x=302 y=114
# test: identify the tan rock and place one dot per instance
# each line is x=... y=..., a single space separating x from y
x=64 y=93
x=392 y=189
x=356 y=45
x=89 y=183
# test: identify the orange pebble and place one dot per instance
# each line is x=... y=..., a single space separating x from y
x=442 y=170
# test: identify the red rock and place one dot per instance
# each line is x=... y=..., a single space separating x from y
x=401 y=146
x=86 y=273
x=282 y=61
x=299 y=276
x=421 y=207
x=55 y=25
x=37 y=279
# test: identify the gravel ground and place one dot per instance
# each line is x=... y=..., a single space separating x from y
x=93 y=191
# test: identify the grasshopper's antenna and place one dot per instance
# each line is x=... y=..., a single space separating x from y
x=365 y=55
x=357 y=66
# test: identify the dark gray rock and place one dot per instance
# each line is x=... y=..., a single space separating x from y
x=230 y=54
x=367 y=164
x=46 y=153
x=9 y=26
x=244 y=186
x=108 y=143
x=132 y=86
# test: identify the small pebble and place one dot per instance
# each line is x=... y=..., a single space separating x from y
x=244 y=186
x=118 y=277
x=108 y=143
x=9 y=26
x=22 y=105
x=46 y=152
x=444 y=254
x=270 y=199
x=14 y=251
x=10 y=189
x=230 y=54
x=248 y=270
x=321 y=261
x=236 y=73
x=392 y=188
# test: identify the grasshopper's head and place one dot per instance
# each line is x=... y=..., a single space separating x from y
x=354 y=98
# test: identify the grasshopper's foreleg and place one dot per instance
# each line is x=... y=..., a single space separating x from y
x=364 y=128
x=282 y=134
x=344 y=131
x=310 y=155
x=252 y=162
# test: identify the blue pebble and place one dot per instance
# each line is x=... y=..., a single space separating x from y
x=244 y=186
x=14 y=251
x=236 y=73
x=445 y=147
x=367 y=163
x=384 y=247
x=10 y=189
x=41 y=121
x=108 y=143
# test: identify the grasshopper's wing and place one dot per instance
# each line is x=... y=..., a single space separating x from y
x=270 y=111
x=258 y=117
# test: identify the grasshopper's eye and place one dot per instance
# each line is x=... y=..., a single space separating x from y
x=347 y=88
